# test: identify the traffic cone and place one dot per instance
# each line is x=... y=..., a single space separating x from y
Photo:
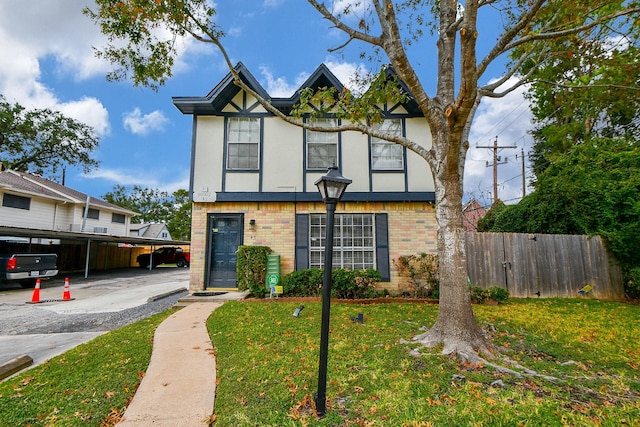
x=35 y=297
x=66 y=294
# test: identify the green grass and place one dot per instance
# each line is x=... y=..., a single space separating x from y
x=268 y=366
x=89 y=385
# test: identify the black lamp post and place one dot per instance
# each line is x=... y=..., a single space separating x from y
x=331 y=187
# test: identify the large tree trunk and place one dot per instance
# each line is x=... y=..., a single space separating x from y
x=456 y=327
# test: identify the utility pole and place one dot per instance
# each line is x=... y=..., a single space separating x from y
x=524 y=184
x=496 y=161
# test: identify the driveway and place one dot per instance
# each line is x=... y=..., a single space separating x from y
x=99 y=304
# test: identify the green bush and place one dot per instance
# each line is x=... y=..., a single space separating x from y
x=251 y=269
x=632 y=284
x=497 y=294
x=349 y=284
x=353 y=284
x=302 y=283
x=477 y=294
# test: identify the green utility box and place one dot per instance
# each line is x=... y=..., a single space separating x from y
x=273 y=272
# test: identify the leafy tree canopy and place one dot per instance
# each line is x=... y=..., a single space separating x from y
x=43 y=141
x=156 y=206
x=575 y=100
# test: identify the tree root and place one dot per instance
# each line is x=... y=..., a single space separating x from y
x=477 y=350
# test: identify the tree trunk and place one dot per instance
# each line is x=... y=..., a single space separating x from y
x=456 y=327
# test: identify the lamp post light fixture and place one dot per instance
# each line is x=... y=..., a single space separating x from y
x=331 y=186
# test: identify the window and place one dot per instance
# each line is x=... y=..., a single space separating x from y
x=353 y=241
x=322 y=147
x=18 y=202
x=93 y=213
x=386 y=155
x=243 y=143
x=119 y=218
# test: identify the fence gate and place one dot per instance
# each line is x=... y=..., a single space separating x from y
x=544 y=265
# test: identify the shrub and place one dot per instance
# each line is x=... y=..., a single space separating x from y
x=477 y=294
x=251 y=269
x=632 y=284
x=345 y=283
x=302 y=283
x=497 y=294
x=422 y=273
x=353 y=284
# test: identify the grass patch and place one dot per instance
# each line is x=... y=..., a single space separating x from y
x=268 y=366
x=89 y=385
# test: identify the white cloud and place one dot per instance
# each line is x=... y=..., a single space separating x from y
x=143 y=124
x=509 y=120
x=124 y=177
x=272 y=3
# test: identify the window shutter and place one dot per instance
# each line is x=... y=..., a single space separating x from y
x=382 y=246
x=302 y=241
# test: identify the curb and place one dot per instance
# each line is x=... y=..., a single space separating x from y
x=166 y=294
x=15 y=365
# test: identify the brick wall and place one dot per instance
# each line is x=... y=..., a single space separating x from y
x=412 y=229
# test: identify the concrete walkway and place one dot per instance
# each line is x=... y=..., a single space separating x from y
x=179 y=386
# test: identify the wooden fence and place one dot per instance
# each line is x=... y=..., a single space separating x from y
x=544 y=265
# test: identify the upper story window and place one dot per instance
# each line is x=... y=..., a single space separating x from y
x=14 y=201
x=93 y=213
x=387 y=155
x=118 y=218
x=243 y=143
x=322 y=147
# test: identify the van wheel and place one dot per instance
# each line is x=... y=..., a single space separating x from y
x=181 y=263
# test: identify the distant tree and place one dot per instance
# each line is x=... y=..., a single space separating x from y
x=180 y=222
x=43 y=141
x=391 y=31
x=153 y=205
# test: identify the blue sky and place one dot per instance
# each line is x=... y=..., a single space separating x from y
x=46 y=60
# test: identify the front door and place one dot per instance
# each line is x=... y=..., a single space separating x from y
x=225 y=235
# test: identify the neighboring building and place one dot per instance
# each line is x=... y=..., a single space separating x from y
x=252 y=183
x=472 y=213
x=151 y=230
x=32 y=202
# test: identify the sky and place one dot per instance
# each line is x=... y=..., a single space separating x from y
x=47 y=60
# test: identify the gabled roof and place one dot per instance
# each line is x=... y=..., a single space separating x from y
x=151 y=230
x=220 y=95
x=223 y=92
x=23 y=183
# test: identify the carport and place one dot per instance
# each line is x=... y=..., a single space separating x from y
x=30 y=237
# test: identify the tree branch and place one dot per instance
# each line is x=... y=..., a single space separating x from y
x=352 y=33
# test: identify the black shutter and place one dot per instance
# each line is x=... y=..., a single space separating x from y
x=382 y=246
x=302 y=241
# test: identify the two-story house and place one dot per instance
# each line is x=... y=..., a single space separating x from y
x=252 y=183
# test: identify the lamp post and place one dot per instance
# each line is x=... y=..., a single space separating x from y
x=331 y=187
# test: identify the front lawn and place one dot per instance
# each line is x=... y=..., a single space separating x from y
x=268 y=366
x=89 y=385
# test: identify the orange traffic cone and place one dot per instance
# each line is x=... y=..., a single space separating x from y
x=35 y=297
x=66 y=294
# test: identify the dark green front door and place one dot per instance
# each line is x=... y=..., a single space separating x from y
x=225 y=235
